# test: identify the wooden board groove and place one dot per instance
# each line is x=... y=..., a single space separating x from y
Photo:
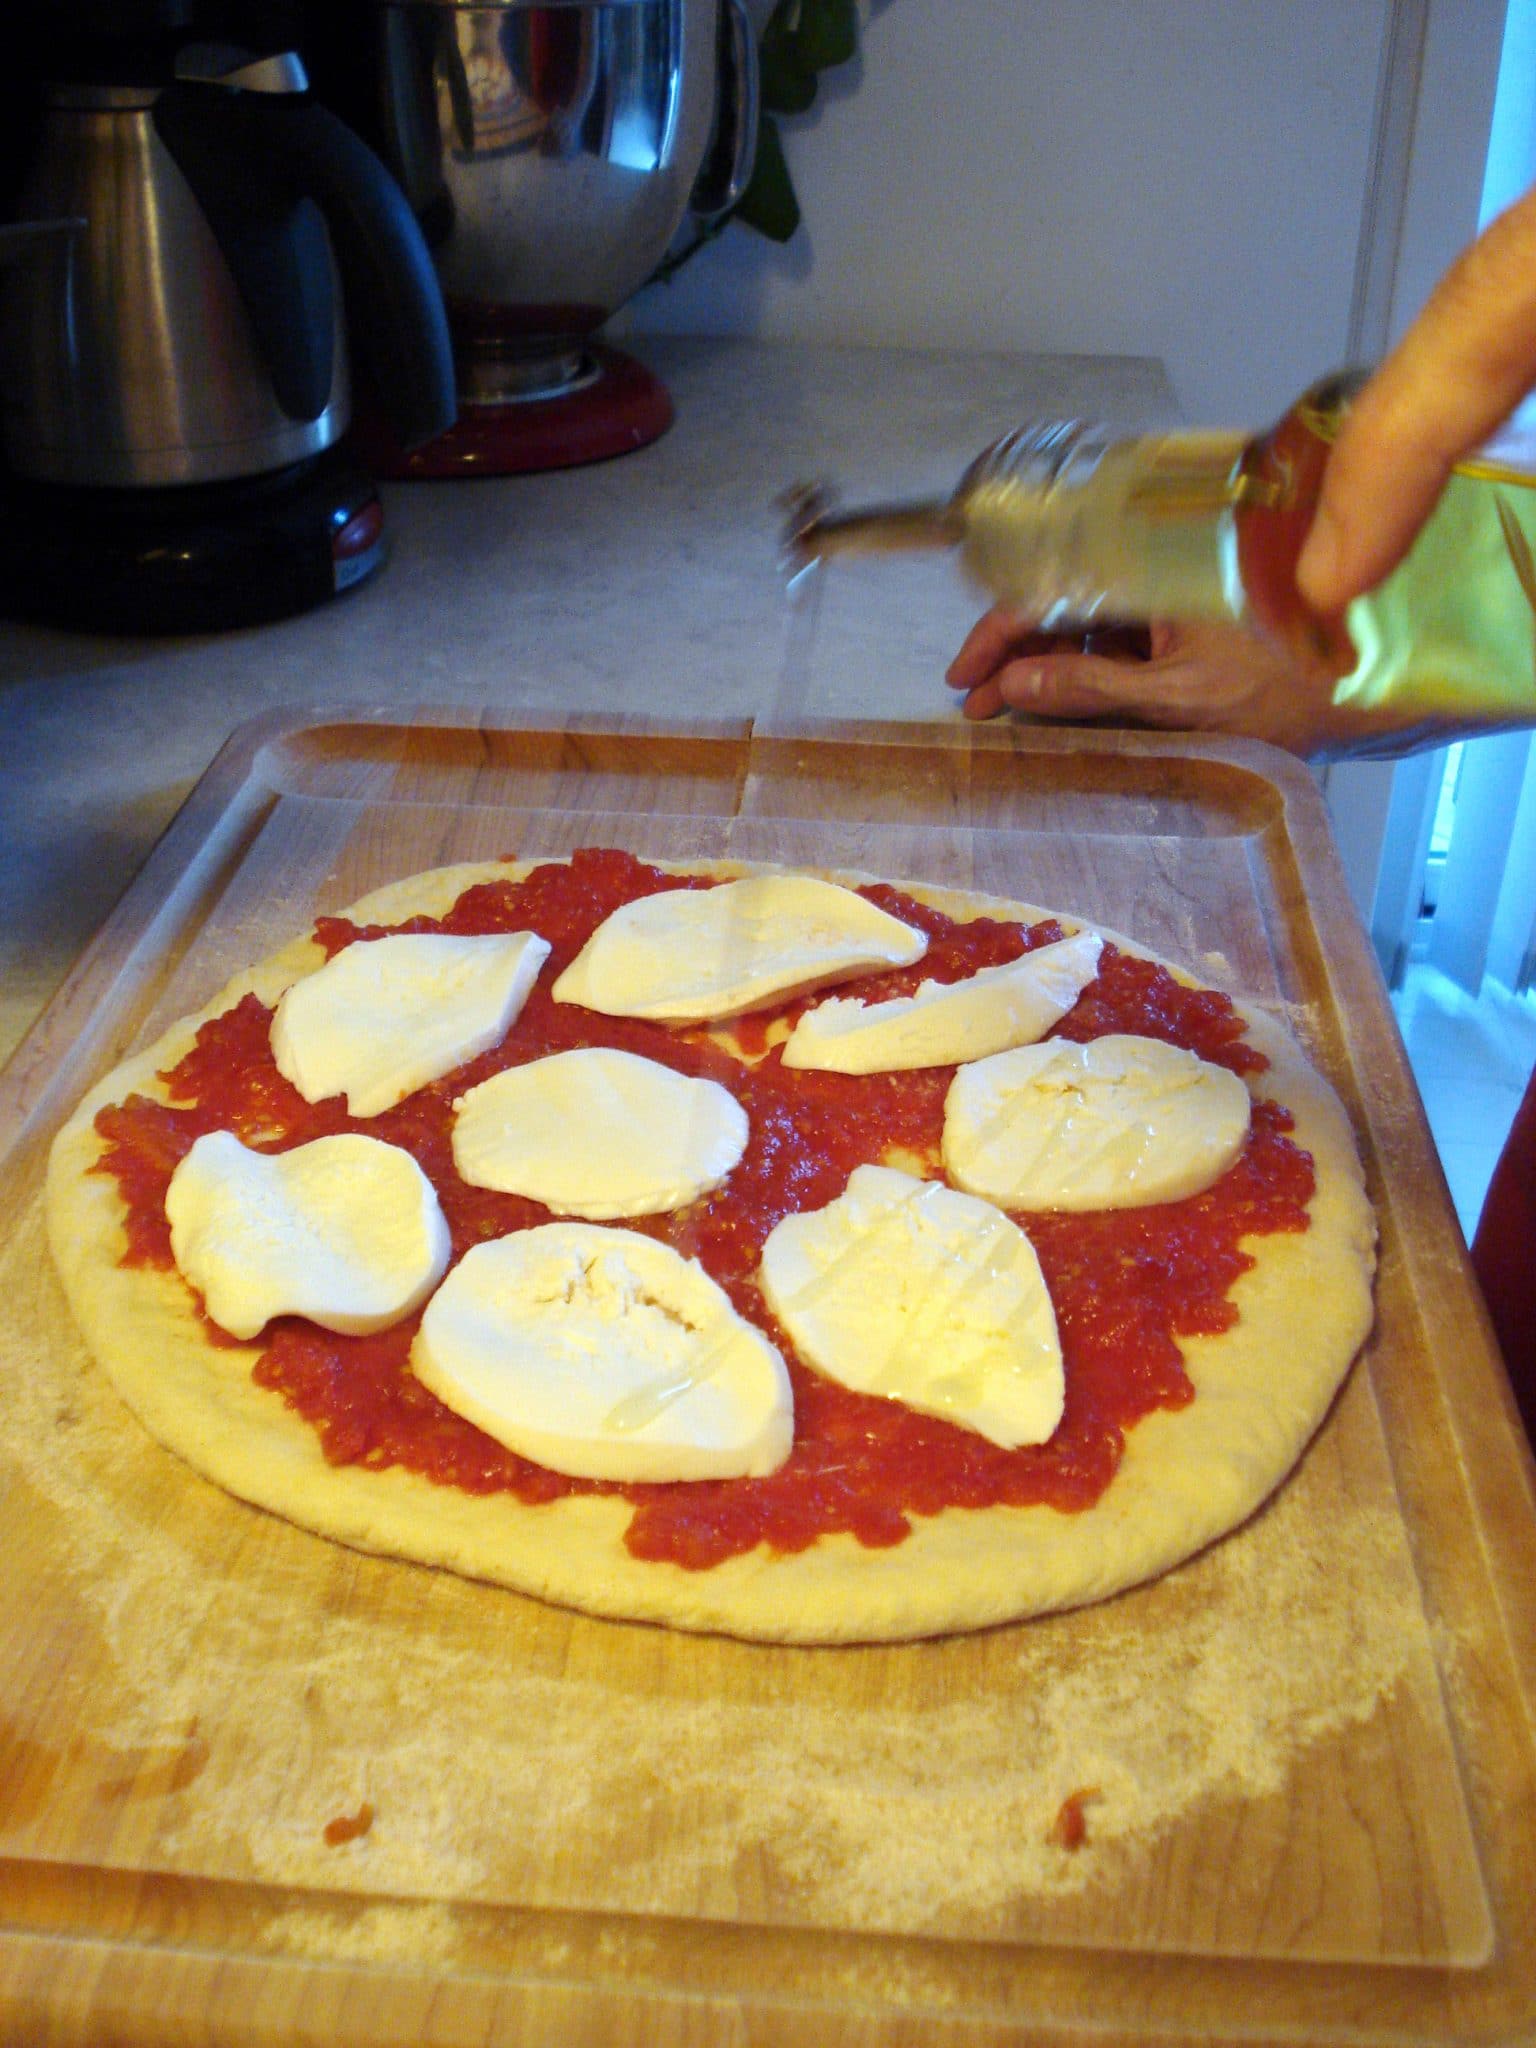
x=1355 y=1869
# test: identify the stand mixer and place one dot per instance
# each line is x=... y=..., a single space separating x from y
x=550 y=150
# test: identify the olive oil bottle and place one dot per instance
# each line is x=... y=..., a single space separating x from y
x=1073 y=527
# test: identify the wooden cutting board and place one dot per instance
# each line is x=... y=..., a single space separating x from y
x=1311 y=1752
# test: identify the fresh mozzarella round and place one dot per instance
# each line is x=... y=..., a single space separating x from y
x=346 y=1231
x=690 y=954
x=1115 y=1124
x=606 y=1355
x=905 y=1288
x=598 y=1133
x=386 y=1016
x=945 y=1023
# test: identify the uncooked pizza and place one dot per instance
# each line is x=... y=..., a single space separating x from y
x=788 y=1254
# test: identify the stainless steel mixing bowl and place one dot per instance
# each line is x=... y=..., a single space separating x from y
x=551 y=150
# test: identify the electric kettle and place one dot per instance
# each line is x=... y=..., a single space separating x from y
x=191 y=237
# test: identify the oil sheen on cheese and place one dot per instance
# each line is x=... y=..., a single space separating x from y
x=689 y=955
x=598 y=1133
x=1114 y=1124
x=386 y=1016
x=946 y=1023
x=605 y=1354
x=908 y=1289
x=345 y=1230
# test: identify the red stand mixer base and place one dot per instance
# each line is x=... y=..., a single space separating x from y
x=623 y=407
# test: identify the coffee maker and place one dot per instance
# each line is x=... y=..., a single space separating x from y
x=192 y=251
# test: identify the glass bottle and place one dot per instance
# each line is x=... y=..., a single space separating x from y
x=1073 y=527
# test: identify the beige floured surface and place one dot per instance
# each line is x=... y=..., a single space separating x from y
x=517 y=1752
x=1187 y=1478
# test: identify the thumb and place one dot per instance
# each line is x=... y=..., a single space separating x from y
x=1457 y=374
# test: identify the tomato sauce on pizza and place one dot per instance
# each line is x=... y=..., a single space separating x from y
x=1126 y=1284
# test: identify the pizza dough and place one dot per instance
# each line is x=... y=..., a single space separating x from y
x=1187 y=1476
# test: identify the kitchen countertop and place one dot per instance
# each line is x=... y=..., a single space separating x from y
x=647 y=584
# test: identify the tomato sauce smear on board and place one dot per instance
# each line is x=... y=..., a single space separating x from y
x=1126 y=1284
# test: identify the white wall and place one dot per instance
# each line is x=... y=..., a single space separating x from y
x=1176 y=178
x=1457 y=94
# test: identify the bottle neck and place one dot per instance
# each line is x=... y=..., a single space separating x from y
x=1072 y=526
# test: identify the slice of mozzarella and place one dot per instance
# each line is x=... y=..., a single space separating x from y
x=598 y=1133
x=346 y=1231
x=1114 y=1124
x=386 y=1016
x=905 y=1288
x=945 y=1023
x=691 y=954
x=606 y=1355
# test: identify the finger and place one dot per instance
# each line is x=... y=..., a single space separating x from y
x=1457 y=374
x=1079 y=686
x=1027 y=684
x=996 y=637
x=1003 y=636
x=984 y=701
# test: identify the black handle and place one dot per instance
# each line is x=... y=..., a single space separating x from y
x=274 y=246
x=261 y=164
x=732 y=148
x=394 y=300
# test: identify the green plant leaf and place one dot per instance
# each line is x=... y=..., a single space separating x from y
x=827 y=33
x=769 y=203
x=786 y=81
x=802 y=38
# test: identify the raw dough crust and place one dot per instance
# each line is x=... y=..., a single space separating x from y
x=1187 y=1477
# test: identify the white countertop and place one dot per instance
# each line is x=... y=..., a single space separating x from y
x=650 y=583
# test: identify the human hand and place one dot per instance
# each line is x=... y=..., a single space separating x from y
x=1455 y=377
x=1457 y=374
x=1195 y=677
